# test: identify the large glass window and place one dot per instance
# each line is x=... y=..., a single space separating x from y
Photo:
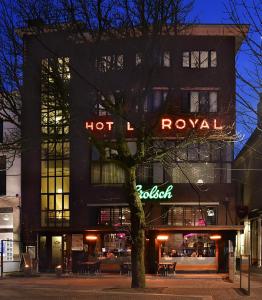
x=55 y=154
x=189 y=215
x=188 y=245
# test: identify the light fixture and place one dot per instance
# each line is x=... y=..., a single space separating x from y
x=200 y=181
x=59 y=191
x=91 y=237
x=162 y=237
x=215 y=237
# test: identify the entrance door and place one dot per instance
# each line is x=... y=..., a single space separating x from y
x=56 y=251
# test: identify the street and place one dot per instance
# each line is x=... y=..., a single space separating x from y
x=115 y=287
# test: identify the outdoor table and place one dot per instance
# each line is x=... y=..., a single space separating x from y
x=90 y=266
x=127 y=265
x=165 y=266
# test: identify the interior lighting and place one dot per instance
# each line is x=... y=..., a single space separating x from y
x=162 y=237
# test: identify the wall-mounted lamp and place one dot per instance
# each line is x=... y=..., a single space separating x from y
x=91 y=237
x=215 y=237
x=162 y=237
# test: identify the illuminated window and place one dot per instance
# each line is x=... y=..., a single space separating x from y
x=55 y=148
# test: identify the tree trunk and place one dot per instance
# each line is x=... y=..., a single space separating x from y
x=137 y=231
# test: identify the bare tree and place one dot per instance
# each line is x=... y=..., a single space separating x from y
x=249 y=78
x=93 y=22
x=11 y=60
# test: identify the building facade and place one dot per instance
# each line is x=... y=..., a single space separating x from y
x=75 y=204
x=10 y=204
x=247 y=170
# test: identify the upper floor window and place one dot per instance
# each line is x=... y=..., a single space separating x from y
x=155 y=99
x=199 y=59
x=139 y=58
x=162 y=59
x=200 y=101
x=114 y=62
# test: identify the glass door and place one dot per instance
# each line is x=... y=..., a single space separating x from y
x=56 y=250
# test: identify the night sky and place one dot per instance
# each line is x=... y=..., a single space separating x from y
x=214 y=11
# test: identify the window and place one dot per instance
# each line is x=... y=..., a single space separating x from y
x=6 y=218
x=144 y=174
x=114 y=216
x=139 y=59
x=195 y=172
x=213 y=62
x=189 y=215
x=199 y=59
x=155 y=99
x=166 y=59
x=107 y=63
x=186 y=60
x=55 y=147
x=200 y=101
x=106 y=173
x=2 y=175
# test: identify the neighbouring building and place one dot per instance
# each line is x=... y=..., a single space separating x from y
x=247 y=171
x=10 y=204
x=74 y=205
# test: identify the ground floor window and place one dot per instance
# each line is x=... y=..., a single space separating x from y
x=188 y=245
x=116 y=244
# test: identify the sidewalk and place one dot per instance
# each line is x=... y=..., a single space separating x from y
x=115 y=287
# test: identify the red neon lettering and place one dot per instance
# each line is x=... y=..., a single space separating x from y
x=129 y=128
x=193 y=123
x=90 y=125
x=217 y=127
x=181 y=121
x=166 y=123
x=110 y=124
x=99 y=126
x=204 y=124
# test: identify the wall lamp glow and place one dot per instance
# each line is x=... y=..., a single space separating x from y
x=162 y=237
x=91 y=237
x=215 y=237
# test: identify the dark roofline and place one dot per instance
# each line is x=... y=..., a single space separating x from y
x=250 y=141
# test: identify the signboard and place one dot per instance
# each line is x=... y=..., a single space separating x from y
x=166 y=126
x=155 y=193
x=77 y=242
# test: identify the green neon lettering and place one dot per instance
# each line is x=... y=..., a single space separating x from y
x=154 y=192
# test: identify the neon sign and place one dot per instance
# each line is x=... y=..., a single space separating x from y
x=166 y=124
x=154 y=192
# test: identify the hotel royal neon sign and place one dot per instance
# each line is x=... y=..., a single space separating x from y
x=154 y=193
x=166 y=124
